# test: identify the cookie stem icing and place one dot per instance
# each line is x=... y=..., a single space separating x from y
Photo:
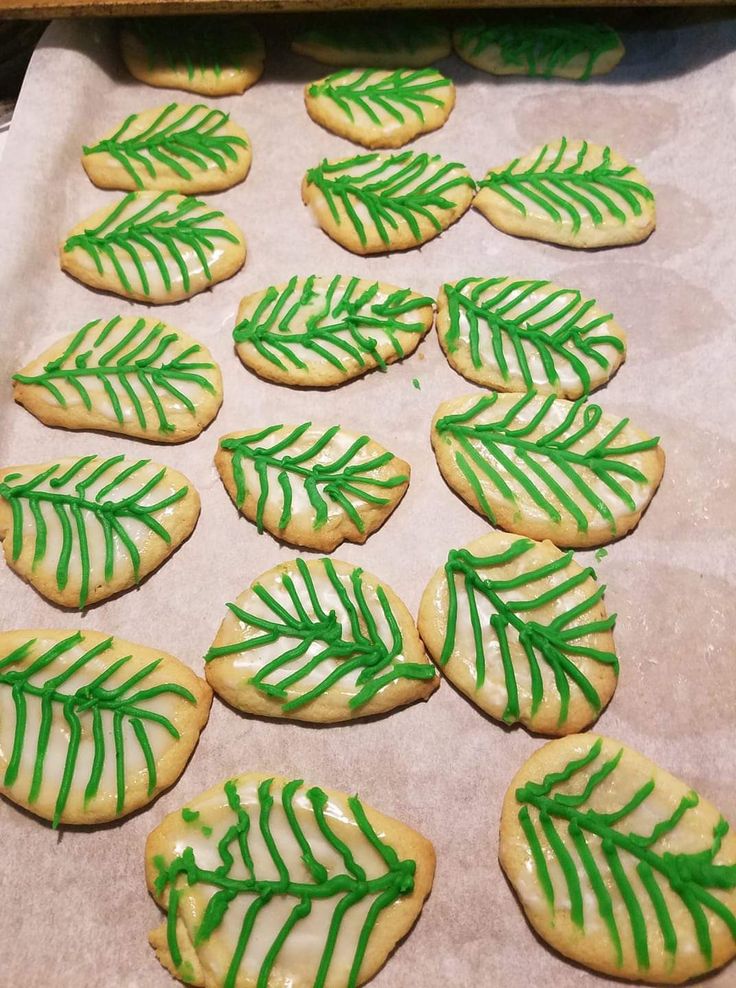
x=331 y=480
x=390 y=188
x=492 y=449
x=360 y=648
x=137 y=357
x=82 y=710
x=557 y=643
x=348 y=885
x=399 y=92
x=348 y=320
x=561 y=191
x=570 y=827
x=181 y=138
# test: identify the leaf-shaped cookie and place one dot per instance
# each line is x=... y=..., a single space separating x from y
x=319 y=640
x=546 y=467
x=154 y=247
x=381 y=108
x=83 y=528
x=310 y=485
x=618 y=864
x=214 y=56
x=268 y=881
x=376 y=202
x=522 y=631
x=406 y=39
x=93 y=727
x=540 y=44
x=569 y=192
x=516 y=334
x=134 y=376
x=319 y=332
x=182 y=147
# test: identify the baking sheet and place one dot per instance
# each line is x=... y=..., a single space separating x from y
x=74 y=910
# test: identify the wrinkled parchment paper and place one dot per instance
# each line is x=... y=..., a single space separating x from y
x=74 y=911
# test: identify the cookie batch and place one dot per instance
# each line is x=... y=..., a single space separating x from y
x=264 y=880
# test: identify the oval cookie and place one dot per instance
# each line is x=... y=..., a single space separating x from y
x=83 y=528
x=381 y=108
x=214 y=56
x=182 y=147
x=318 y=640
x=569 y=192
x=373 y=203
x=515 y=334
x=522 y=631
x=134 y=376
x=546 y=467
x=618 y=864
x=320 y=332
x=405 y=39
x=309 y=485
x=155 y=247
x=268 y=881
x=538 y=44
x=93 y=727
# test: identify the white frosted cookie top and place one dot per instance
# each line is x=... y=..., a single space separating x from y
x=81 y=528
x=619 y=864
x=325 y=331
x=92 y=727
x=319 y=640
x=154 y=246
x=125 y=374
x=546 y=467
x=300 y=863
x=518 y=334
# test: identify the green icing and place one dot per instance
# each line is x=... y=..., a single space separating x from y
x=416 y=384
x=541 y=44
x=346 y=886
x=557 y=328
x=354 y=641
x=139 y=357
x=343 y=317
x=601 y=554
x=67 y=494
x=189 y=816
x=378 y=94
x=403 y=32
x=82 y=711
x=196 y=45
x=336 y=480
x=394 y=189
x=568 y=826
x=183 y=139
x=161 y=231
x=558 y=644
x=560 y=190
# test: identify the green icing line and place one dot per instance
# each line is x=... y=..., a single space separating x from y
x=347 y=319
x=82 y=710
x=395 y=188
x=189 y=816
x=161 y=231
x=557 y=644
x=557 y=328
x=358 y=648
x=346 y=886
x=490 y=451
x=75 y=508
x=559 y=190
x=601 y=554
x=140 y=356
x=339 y=480
x=196 y=45
x=402 y=32
x=184 y=139
x=540 y=45
x=692 y=878
x=379 y=95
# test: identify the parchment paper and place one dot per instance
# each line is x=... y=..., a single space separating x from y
x=74 y=910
